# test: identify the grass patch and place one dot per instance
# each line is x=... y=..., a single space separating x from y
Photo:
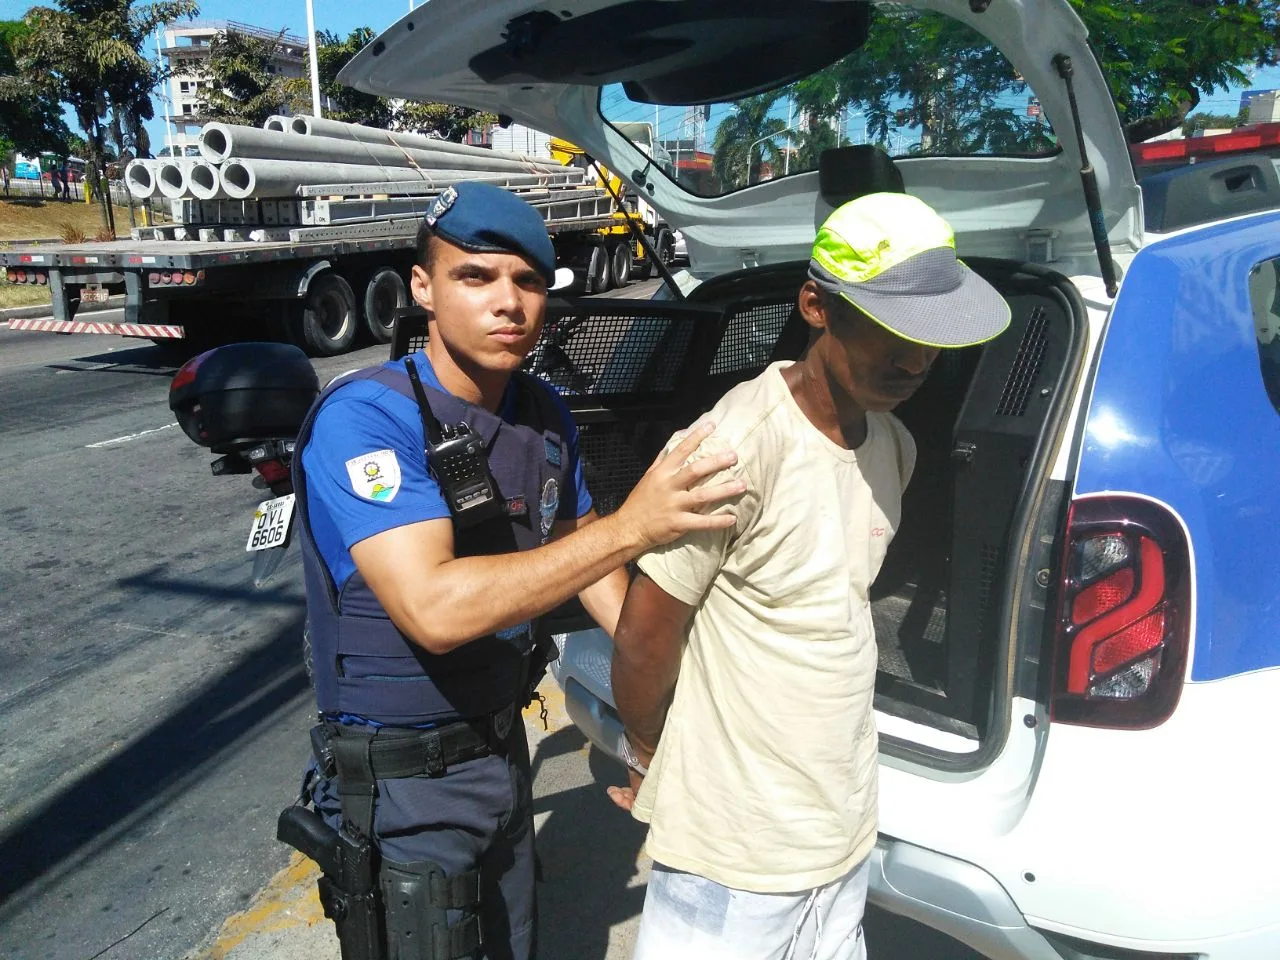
x=23 y=295
x=29 y=218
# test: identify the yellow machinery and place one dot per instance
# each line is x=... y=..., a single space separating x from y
x=621 y=257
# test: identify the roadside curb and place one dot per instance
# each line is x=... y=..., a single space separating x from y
x=285 y=920
x=46 y=310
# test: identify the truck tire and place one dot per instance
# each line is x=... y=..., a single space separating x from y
x=383 y=296
x=598 y=272
x=644 y=269
x=329 y=316
x=621 y=261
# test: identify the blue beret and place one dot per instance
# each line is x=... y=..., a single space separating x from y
x=483 y=218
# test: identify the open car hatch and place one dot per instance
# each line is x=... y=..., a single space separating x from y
x=578 y=68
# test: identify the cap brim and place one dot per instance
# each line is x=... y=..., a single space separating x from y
x=969 y=314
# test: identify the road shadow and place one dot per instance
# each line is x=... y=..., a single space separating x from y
x=97 y=810
x=154 y=360
x=587 y=849
x=284 y=588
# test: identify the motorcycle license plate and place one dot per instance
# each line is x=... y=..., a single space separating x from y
x=271 y=524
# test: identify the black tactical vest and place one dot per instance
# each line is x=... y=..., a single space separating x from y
x=362 y=664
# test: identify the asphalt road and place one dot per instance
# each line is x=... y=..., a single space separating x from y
x=153 y=706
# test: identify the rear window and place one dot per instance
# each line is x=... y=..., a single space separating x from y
x=922 y=85
x=1264 y=294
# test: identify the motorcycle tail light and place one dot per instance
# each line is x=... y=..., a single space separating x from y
x=272 y=471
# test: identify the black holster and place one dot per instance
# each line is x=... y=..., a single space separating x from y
x=349 y=891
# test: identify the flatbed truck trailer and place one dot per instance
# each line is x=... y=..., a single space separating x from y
x=341 y=284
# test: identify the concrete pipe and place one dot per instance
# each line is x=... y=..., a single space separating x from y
x=140 y=178
x=220 y=141
x=337 y=130
x=245 y=178
x=277 y=123
x=171 y=177
x=204 y=183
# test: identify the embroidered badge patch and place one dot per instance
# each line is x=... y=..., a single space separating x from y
x=375 y=476
x=447 y=198
x=548 y=507
x=517 y=507
x=553 y=451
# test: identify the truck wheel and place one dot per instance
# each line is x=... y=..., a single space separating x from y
x=622 y=264
x=644 y=269
x=328 y=316
x=598 y=272
x=384 y=295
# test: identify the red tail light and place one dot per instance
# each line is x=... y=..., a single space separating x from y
x=272 y=471
x=1124 y=625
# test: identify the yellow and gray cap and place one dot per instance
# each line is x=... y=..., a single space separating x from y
x=894 y=258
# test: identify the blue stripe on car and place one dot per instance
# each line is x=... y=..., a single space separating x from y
x=1179 y=413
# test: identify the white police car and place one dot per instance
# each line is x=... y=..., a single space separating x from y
x=1078 y=621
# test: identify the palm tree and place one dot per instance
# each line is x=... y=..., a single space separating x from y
x=744 y=141
x=88 y=54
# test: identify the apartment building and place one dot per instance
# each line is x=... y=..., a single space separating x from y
x=186 y=46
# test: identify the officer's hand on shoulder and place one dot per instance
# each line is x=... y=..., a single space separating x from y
x=671 y=499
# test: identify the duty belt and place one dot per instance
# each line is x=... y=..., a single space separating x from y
x=394 y=753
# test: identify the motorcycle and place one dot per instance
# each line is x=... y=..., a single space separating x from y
x=245 y=402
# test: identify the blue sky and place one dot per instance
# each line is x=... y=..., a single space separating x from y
x=338 y=16
x=342 y=16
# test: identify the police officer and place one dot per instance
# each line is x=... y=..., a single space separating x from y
x=442 y=510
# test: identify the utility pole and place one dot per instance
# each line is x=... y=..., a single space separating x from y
x=164 y=97
x=315 y=64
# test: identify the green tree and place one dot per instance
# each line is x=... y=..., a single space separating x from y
x=30 y=119
x=340 y=102
x=1213 y=121
x=1161 y=56
x=744 y=141
x=351 y=106
x=88 y=54
x=241 y=89
x=441 y=119
x=928 y=72
x=936 y=77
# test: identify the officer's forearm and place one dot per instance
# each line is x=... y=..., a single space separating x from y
x=646 y=660
x=469 y=597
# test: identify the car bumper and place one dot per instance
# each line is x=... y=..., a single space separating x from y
x=582 y=670
x=955 y=897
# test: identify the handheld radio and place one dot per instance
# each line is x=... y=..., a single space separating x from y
x=456 y=458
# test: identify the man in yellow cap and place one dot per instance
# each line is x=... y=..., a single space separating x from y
x=745 y=657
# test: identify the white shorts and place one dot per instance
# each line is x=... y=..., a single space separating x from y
x=688 y=917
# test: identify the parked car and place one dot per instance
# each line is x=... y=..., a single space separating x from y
x=1078 y=621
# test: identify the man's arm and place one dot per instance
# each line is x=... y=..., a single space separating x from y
x=441 y=602
x=602 y=599
x=646 y=664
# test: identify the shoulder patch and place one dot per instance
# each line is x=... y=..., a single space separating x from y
x=375 y=476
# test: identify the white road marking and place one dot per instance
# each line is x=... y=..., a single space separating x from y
x=126 y=439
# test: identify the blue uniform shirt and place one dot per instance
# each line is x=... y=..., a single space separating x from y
x=366 y=473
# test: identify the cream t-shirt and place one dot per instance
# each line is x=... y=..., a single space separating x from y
x=765 y=774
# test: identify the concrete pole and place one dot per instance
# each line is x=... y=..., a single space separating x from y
x=139 y=177
x=358 y=133
x=221 y=142
x=315 y=64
